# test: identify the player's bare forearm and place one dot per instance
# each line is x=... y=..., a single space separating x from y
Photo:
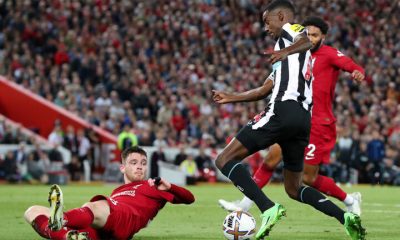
x=181 y=195
x=251 y=95
x=248 y=96
x=301 y=44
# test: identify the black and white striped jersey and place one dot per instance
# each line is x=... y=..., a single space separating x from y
x=292 y=77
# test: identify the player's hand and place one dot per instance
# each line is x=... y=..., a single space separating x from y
x=276 y=56
x=163 y=184
x=357 y=76
x=221 y=97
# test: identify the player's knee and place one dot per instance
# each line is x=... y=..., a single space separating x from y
x=28 y=214
x=270 y=163
x=221 y=161
x=291 y=192
x=91 y=206
x=309 y=179
x=32 y=212
x=100 y=211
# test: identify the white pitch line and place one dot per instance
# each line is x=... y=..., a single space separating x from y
x=374 y=204
x=381 y=211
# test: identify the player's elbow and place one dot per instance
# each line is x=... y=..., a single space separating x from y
x=190 y=199
x=307 y=43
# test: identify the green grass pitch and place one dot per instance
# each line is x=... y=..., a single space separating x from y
x=203 y=219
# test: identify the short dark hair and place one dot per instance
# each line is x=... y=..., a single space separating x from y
x=317 y=22
x=133 y=149
x=286 y=4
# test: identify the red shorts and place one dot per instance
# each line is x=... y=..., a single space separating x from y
x=322 y=141
x=122 y=223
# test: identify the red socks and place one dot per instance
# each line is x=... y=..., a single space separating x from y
x=40 y=225
x=329 y=187
x=79 y=218
x=263 y=175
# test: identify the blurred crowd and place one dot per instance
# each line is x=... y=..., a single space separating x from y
x=149 y=68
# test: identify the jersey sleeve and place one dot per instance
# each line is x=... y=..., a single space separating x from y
x=343 y=62
x=291 y=31
x=180 y=195
x=271 y=76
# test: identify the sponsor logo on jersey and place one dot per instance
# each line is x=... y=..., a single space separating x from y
x=124 y=193
x=113 y=201
x=297 y=27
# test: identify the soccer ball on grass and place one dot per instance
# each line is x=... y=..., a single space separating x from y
x=239 y=225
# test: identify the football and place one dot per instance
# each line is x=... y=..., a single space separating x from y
x=239 y=225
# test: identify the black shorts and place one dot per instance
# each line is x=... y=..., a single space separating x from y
x=287 y=124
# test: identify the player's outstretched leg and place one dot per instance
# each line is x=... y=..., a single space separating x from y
x=351 y=221
x=231 y=206
x=352 y=224
x=56 y=208
x=355 y=207
x=269 y=218
x=261 y=177
x=328 y=186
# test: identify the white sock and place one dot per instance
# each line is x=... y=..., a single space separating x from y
x=246 y=203
x=348 y=200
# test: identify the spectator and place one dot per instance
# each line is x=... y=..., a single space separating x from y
x=94 y=151
x=10 y=168
x=83 y=145
x=156 y=157
x=344 y=152
x=203 y=160
x=75 y=168
x=70 y=141
x=206 y=166
x=56 y=137
x=376 y=153
x=189 y=167
x=56 y=159
x=177 y=121
x=127 y=138
x=160 y=140
x=37 y=169
x=181 y=156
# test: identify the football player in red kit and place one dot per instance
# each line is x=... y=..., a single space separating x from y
x=327 y=62
x=129 y=208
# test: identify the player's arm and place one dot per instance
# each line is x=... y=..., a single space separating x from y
x=347 y=64
x=248 y=96
x=294 y=33
x=181 y=195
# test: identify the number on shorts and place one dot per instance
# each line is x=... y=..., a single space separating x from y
x=312 y=148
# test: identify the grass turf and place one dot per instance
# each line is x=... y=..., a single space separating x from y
x=203 y=219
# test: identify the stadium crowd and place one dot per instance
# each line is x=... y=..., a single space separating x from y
x=151 y=66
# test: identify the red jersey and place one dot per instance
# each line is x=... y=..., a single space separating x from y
x=327 y=61
x=142 y=201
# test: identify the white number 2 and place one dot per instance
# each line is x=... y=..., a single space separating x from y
x=310 y=153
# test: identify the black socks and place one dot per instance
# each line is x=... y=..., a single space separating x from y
x=241 y=178
x=314 y=198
